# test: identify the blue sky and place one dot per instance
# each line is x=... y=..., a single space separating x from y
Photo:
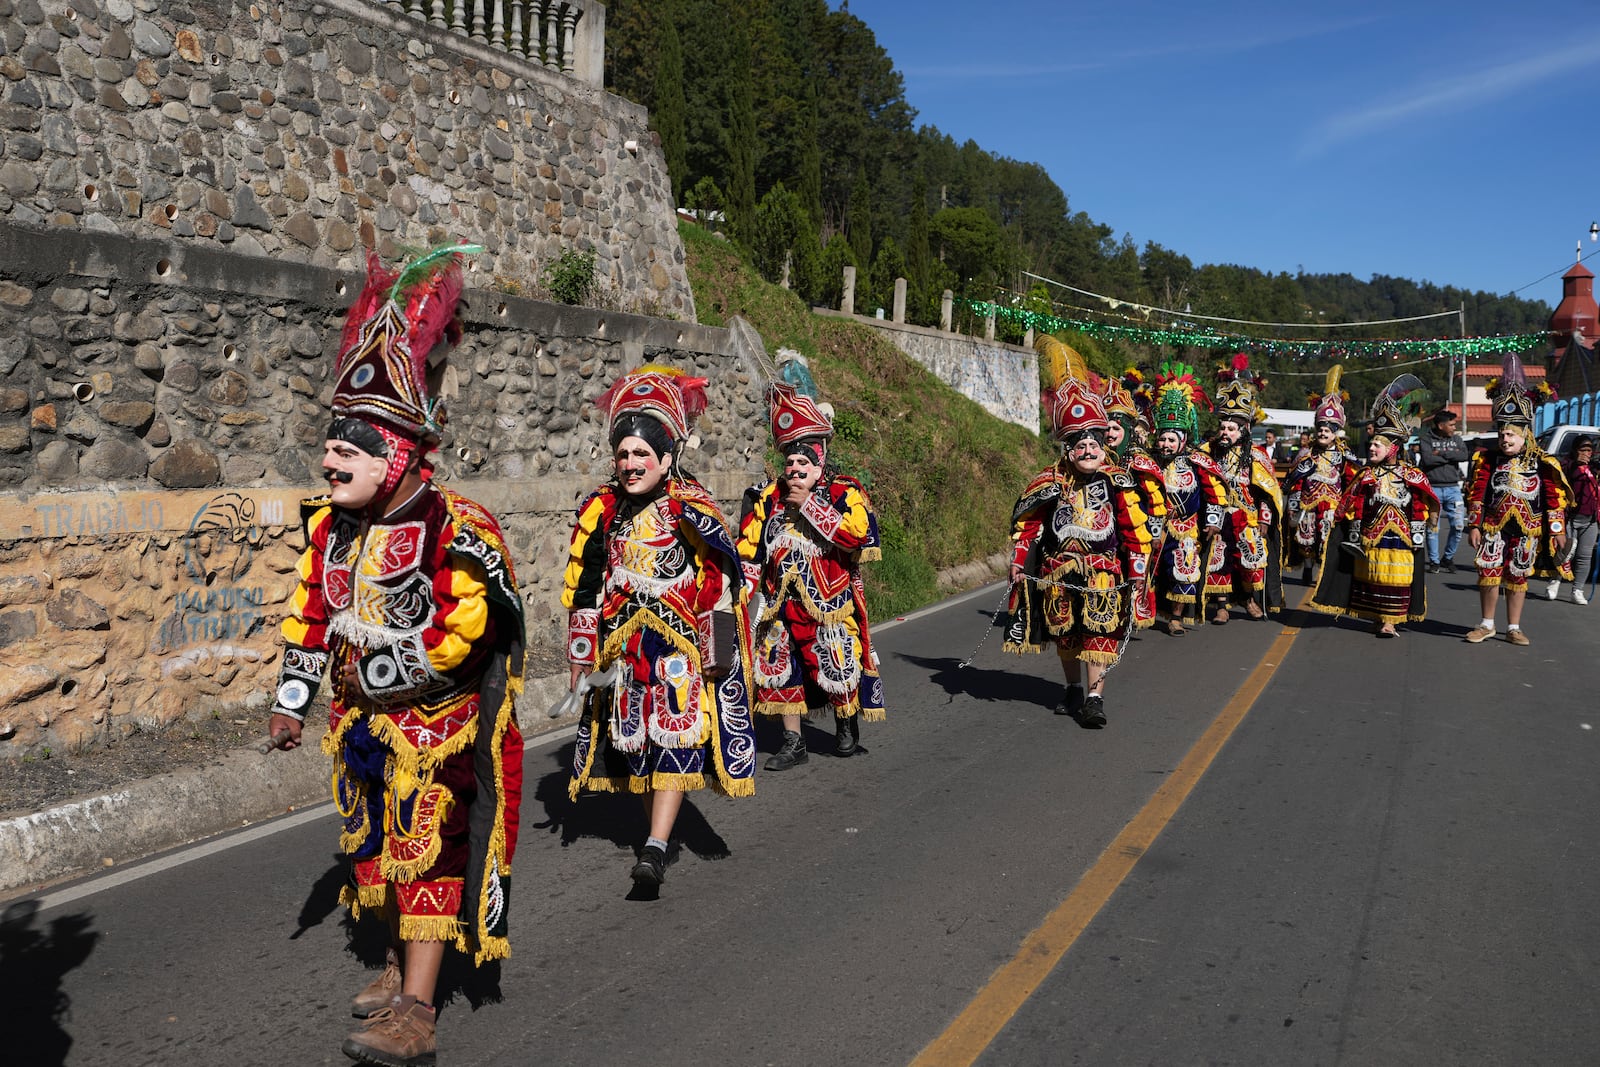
x=1452 y=143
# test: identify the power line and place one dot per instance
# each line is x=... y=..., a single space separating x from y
x=1115 y=302
x=1552 y=274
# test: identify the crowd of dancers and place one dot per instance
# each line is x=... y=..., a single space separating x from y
x=686 y=626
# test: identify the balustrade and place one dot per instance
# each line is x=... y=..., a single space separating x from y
x=563 y=35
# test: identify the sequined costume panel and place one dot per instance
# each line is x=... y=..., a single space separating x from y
x=1195 y=500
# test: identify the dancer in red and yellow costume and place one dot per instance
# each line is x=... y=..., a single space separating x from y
x=1517 y=498
x=1124 y=415
x=1244 y=557
x=1383 y=515
x=1081 y=545
x=1195 y=495
x=803 y=538
x=1316 y=483
x=407 y=593
x=655 y=598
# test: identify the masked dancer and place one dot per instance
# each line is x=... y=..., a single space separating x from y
x=1318 y=479
x=1383 y=515
x=1081 y=545
x=655 y=601
x=1195 y=495
x=1244 y=557
x=406 y=592
x=1517 y=498
x=803 y=539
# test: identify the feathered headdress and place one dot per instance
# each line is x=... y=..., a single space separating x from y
x=796 y=410
x=1405 y=393
x=1329 y=404
x=1178 y=399
x=381 y=372
x=1512 y=399
x=668 y=395
x=1074 y=404
x=1236 y=396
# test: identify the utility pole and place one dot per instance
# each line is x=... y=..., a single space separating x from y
x=1462 y=312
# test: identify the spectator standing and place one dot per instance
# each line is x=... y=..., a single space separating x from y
x=1440 y=450
x=1581 y=517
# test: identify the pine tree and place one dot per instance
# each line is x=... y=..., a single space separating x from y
x=741 y=134
x=918 y=254
x=858 y=222
x=668 y=108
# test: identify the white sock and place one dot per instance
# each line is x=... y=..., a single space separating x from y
x=657 y=842
x=1486 y=624
x=1512 y=626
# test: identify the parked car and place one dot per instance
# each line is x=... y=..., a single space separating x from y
x=1557 y=439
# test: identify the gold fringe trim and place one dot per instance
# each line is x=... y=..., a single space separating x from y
x=793 y=586
x=411 y=869
x=415 y=761
x=373 y=898
x=1022 y=646
x=641 y=619
x=871 y=555
x=781 y=707
x=1097 y=657
x=430 y=928
x=489 y=948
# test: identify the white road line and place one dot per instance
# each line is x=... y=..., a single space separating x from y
x=112 y=879
x=99 y=883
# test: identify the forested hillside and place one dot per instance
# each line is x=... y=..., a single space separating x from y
x=790 y=119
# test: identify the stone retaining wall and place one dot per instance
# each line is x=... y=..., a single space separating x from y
x=1002 y=379
x=312 y=132
x=162 y=411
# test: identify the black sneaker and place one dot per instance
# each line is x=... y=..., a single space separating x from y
x=1448 y=568
x=1094 y=712
x=792 y=754
x=652 y=866
x=1072 y=703
x=1433 y=568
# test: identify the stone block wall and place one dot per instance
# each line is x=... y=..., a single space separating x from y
x=162 y=412
x=1002 y=379
x=311 y=132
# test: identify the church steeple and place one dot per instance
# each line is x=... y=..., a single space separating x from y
x=1577 y=312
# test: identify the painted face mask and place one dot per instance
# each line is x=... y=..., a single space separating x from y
x=803 y=467
x=1086 y=451
x=640 y=469
x=1169 y=444
x=355 y=476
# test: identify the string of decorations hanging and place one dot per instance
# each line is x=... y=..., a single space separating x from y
x=1196 y=336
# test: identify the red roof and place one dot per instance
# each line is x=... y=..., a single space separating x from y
x=1492 y=370
x=1477 y=414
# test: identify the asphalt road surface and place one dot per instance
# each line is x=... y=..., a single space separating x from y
x=1391 y=860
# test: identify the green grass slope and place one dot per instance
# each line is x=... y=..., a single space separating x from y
x=942 y=472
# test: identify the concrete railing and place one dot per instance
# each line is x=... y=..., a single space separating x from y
x=564 y=35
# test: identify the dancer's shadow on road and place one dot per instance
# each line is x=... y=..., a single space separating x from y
x=32 y=966
x=982 y=683
x=614 y=817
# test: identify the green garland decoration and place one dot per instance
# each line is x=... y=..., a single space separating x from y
x=1203 y=337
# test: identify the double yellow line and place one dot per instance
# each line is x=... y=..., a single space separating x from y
x=966 y=1038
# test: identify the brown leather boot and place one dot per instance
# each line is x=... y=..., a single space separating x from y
x=380 y=990
x=399 y=1034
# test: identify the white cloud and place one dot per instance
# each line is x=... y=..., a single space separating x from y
x=1450 y=95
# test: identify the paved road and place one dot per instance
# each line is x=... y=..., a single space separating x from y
x=1391 y=861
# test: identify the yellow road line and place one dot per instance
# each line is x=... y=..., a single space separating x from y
x=965 y=1039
